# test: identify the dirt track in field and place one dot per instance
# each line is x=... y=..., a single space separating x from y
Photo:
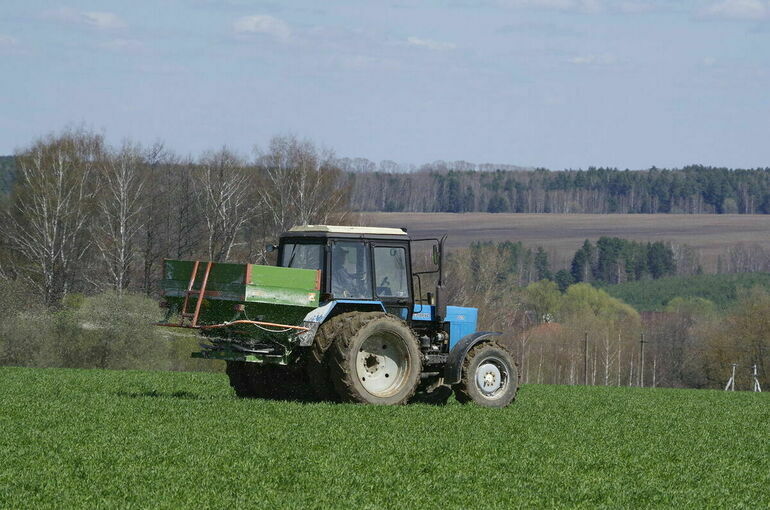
x=562 y=234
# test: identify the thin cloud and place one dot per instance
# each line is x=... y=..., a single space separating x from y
x=6 y=41
x=634 y=7
x=430 y=44
x=124 y=45
x=262 y=24
x=747 y=10
x=605 y=59
x=585 y=6
x=100 y=20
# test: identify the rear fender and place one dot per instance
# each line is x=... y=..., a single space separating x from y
x=454 y=365
x=318 y=316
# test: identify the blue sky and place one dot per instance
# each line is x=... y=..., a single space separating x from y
x=554 y=83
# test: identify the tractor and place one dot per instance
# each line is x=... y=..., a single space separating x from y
x=340 y=317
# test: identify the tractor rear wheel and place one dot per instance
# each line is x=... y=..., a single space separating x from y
x=253 y=380
x=375 y=359
x=490 y=376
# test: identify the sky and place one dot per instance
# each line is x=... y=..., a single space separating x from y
x=540 y=83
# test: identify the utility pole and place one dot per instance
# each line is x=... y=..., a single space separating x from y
x=641 y=367
x=731 y=382
x=585 y=358
x=757 y=388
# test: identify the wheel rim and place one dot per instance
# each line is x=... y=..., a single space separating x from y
x=382 y=364
x=492 y=377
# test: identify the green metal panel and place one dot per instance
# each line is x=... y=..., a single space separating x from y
x=245 y=283
x=282 y=285
x=272 y=294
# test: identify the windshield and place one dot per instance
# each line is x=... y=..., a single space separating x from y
x=303 y=256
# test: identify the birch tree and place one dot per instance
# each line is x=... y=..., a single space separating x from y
x=302 y=184
x=53 y=198
x=224 y=190
x=120 y=207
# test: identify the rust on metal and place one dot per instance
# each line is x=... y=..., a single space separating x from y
x=193 y=274
x=201 y=292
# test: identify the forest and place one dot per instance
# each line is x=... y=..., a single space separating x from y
x=442 y=187
x=465 y=187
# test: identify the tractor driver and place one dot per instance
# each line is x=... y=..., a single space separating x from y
x=344 y=283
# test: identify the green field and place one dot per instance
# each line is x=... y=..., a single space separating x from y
x=721 y=289
x=90 y=438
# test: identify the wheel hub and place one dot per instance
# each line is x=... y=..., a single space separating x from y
x=372 y=363
x=382 y=364
x=489 y=378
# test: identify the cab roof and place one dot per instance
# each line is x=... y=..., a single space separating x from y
x=344 y=229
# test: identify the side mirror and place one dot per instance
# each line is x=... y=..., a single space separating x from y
x=435 y=254
x=270 y=248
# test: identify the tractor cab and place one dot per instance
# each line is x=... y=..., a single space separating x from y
x=358 y=265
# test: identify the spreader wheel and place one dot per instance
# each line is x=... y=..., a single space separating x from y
x=490 y=376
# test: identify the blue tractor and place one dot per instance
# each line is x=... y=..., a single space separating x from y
x=366 y=332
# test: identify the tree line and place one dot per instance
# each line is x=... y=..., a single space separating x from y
x=455 y=188
x=610 y=260
x=461 y=186
x=84 y=217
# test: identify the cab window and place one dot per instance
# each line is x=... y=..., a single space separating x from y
x=351 y=277
x=303 y=256
x=390 y=272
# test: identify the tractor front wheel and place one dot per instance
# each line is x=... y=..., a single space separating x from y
x=490 y=376
x=375 y=359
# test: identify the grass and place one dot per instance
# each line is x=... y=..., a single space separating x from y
x=653 y=295
x=90 y=438
x=562 y=234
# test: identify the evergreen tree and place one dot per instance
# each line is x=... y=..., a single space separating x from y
x=542 y=267
x=563 y=279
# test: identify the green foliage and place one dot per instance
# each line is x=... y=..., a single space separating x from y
x=543 y=298
x=615 y=260
x=563 y=279
x=142 y=439
x=583 y=262
x=583 y=299
x=691 y=305
x=654 y=295
x=542 y=266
